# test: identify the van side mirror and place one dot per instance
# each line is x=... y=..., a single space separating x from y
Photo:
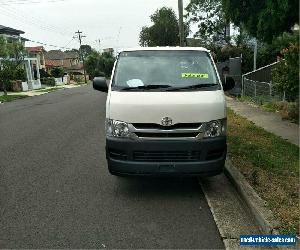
x=228 y=83
x=99 y=83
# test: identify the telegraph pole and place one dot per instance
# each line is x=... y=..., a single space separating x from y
x=181 y=28
x=255 y=55
x=80 y=52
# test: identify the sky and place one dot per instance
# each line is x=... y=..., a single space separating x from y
x=117 y=23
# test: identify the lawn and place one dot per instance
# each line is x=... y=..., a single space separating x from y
x=271 y=166
x=49 y=89
x=9 y=98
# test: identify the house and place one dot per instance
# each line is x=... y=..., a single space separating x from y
x=69 y=60
x=12 y=35
x=54 y=58
x=109 y=51
x=58 y=58
x=32 y=72
x=39 y=53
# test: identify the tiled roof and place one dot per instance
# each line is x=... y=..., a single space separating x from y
x=60 y=55
x=71 y=55
x=54 y=55
x=35 y=49
x=11 y=31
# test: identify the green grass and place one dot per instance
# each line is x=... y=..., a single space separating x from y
x=9 y=98
x=270 y=164
x=49 y=89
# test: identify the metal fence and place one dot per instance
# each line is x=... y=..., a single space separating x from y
x=261 y=91
x=258 y=85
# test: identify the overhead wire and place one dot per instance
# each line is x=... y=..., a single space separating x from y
x=50 y=45
x=16 y=2
x=28 y=19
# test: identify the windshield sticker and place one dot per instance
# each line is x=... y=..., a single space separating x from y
x=194 y=75
x=135 y=83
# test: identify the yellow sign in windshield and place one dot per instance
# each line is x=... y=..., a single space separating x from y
x=194 y=75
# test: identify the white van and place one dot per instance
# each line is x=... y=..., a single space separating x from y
x=165 y=113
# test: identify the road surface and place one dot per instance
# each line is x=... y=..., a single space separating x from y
x=56 y=192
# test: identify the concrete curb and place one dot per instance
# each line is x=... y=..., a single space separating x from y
x=256 y=205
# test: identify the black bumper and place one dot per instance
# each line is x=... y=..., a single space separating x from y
x=166 y=157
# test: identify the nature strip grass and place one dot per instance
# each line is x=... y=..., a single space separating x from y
x=9 y=98
x=271 y=165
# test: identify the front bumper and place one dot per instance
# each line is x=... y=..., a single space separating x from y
x=166 y=157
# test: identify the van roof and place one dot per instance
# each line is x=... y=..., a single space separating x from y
x=164 y=48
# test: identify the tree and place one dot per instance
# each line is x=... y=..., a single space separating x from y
x=11 y=57
x=209 y=16
x=57 y=72
x=99 y=64
x=163 y=32
x=264 y=20
x=286 y=74
x=85 y=51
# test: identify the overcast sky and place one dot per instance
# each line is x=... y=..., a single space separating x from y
x=116 y=23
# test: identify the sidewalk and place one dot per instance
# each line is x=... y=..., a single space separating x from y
x=271 y=122
x=43 y=90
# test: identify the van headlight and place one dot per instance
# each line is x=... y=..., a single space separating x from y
x=215 y=128
x=116 y=128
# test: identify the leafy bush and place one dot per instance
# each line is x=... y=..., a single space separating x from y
x=290 y=111
x=98 y=64
x=99 y=73
x=268 y=53
x=57 y=72
x=286 y=74
x=49 y=81
x=20 y=74
x=44 y=73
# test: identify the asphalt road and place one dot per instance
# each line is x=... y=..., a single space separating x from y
x=56 y=192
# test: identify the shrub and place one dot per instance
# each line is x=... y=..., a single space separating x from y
x=49 y=81
x=99 y=73
x=290 y=111
x=286 y=74
x=20 y=74
x=44 y=73
x=57 y=72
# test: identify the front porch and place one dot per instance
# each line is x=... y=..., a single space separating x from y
x=31 y=64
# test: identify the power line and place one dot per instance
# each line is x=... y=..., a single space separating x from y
x=26 y=18
x=69 y=42
x=16 y=2
x=50 y=45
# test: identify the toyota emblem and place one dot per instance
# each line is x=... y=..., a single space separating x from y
x=166 y=121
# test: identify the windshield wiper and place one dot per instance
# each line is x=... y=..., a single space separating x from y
x=147 y=87
x=196 y=86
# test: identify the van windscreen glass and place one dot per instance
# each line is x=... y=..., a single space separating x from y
x=164 y=70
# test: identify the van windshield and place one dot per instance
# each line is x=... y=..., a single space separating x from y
x=167 y=70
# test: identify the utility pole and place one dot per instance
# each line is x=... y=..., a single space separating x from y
x=255 y=54
x=181 y=28
x=80 y=52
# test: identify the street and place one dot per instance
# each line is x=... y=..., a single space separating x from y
x=56 y=192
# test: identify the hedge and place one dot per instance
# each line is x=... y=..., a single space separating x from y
x=50 y=81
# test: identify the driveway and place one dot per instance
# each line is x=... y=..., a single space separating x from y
x=56 y=192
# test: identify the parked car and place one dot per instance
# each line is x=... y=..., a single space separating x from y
x=165 y=113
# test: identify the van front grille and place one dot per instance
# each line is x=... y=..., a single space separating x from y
x=172 y=127
x=166 y=156
x=167 y=135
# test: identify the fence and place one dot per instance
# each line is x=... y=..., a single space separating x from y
x=258 y=85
